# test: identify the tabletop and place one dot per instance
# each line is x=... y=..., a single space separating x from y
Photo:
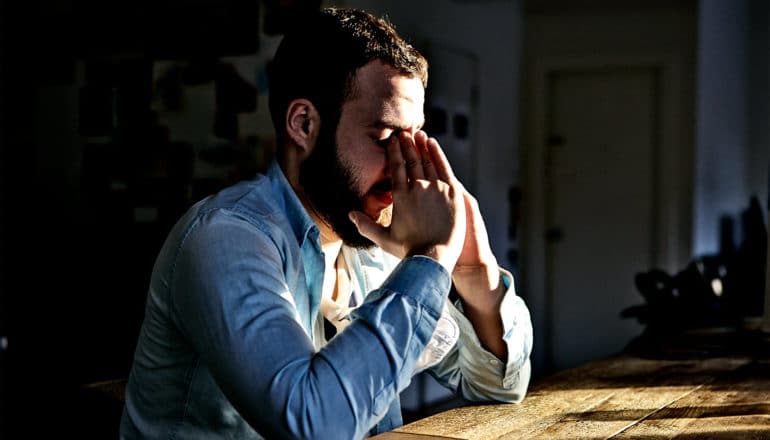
x=708 y=394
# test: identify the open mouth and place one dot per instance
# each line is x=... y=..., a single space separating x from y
x=383 y=192
x=382 y=187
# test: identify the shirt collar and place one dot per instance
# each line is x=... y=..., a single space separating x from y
x=301 y=224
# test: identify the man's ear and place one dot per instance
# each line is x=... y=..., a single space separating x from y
x=302 y=125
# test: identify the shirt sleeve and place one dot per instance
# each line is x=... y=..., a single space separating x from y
x=478 y=375
x=231 y=301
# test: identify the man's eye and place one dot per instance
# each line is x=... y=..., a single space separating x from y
x=384 y=142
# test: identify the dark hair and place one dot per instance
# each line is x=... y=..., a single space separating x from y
x=319 y=56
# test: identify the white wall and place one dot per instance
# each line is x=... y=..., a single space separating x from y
x=731 y=154
x=759 y=98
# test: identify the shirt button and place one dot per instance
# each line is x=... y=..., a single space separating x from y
x=494 y=362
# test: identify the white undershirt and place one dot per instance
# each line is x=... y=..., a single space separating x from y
x=337 y=288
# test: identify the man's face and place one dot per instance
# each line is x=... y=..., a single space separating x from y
x=354 y=175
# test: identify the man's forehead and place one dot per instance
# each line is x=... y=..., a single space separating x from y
x=387 y=97
x=399 y=118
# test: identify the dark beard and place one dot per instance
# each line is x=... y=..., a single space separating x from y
x=329 y=188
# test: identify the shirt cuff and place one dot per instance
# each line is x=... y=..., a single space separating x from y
x=517 y=334
x=423 y=279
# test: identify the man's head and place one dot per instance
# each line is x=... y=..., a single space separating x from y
x=340 y=84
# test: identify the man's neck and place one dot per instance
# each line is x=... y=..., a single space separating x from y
x=328 y=236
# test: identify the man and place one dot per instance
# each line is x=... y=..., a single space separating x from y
x=299 y=304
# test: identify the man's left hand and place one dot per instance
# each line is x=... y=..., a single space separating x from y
x=476 y=277
x=476 y=274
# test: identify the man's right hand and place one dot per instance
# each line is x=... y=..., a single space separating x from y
x=428 y=207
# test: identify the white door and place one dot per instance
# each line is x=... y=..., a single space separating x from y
x=602 y=131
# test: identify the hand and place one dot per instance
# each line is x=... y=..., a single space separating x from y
x=476 y=274
x=476 y=250
x=477 y=280
x=428 y=207
x=476 y=277
x=476 y=255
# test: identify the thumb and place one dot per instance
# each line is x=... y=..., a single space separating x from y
x=369 y=228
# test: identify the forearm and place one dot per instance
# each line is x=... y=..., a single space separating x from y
x=481 y=293
x=478 y=374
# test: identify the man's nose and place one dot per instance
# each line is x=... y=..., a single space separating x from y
x=386 y=168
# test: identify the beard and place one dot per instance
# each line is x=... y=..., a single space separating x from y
x=330 y=187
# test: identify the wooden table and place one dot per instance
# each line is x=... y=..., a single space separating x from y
x=628 y=396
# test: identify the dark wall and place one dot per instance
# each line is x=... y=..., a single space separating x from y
x=82 y=154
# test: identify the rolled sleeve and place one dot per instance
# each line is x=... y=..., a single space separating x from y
x=422 y=278
x=476 y=373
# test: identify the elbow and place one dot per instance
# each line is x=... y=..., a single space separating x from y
x=512 y=387
x=309 y=409
x=518 y=384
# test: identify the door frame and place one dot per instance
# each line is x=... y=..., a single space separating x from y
x=673 y=187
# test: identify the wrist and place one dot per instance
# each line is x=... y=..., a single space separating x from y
x=480 y=288
x=440 y=253
x=479 y=278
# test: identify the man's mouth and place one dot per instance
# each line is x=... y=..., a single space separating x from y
x=383 y=191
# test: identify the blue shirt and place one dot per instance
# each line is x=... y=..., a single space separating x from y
x=229 y=348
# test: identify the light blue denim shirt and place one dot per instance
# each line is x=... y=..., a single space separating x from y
x=228 y=349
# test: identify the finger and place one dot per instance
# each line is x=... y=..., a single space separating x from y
x=370 y=229
x=396 y=166
x=412 y=157
x=421 y=140
x=440 y=162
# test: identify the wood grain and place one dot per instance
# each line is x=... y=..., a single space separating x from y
x=624 y=397
x=737 y=406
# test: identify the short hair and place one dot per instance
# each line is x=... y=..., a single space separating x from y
x=318 y=58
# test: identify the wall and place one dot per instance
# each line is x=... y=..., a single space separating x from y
x=759 y=99
x=731 y=156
